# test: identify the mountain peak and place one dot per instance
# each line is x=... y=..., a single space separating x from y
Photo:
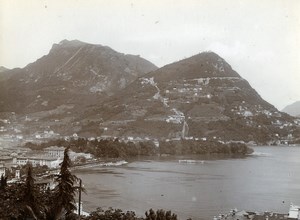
x=205 y=64
x=66 y=42
x=207 y=57
x=209 y=53
x=293 y=109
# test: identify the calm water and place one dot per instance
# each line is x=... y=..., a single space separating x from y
x=267 y=180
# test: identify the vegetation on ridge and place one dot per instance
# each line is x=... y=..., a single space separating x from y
x=114 y=148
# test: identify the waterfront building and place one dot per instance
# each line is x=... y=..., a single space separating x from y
x=55 y=151
x=294 y=212
x=37 y=161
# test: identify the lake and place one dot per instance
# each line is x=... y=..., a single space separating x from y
x=267 y=180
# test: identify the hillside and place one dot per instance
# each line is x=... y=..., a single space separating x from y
x=93 y=91
x=293 y=109
x=74 y=73
x=198 y=97
x=60 y=85
x=4 y=74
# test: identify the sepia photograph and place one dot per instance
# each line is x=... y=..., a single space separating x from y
x=149 y=110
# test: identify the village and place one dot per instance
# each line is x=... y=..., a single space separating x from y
x=13 y=159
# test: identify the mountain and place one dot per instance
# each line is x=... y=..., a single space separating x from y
x=293 y=109
x=74 y=73
x=198 y=97
x=2 y=69
x=93 y=91
x=3 y=73
x=43 y=98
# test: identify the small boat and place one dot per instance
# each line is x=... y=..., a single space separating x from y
x=191 y=161
x=117 y=163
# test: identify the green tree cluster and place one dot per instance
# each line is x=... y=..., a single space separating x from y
x=184 y=147
x=107 y=148
x=117 y=149
x=118 y=214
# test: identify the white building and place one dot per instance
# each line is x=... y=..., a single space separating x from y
x=55 y=152
x=17 y=176
x=294 y=212
x=73 y=155
x=37 y=161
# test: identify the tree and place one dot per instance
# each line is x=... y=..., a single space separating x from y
x=18 y=200
x=160 y=215
x=31 y=205
x=3 y=182
x=11 y=201
x=111 y=214
x=63 y=198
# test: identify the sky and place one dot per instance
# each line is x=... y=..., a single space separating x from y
x=260 y=39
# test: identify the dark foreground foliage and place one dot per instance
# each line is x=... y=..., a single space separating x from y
x=118 y=214
x=27 y=200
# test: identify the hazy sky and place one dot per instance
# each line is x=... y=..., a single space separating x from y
x=260 y=39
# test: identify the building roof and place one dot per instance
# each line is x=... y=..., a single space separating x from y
x=37 y=158
x=54 y=148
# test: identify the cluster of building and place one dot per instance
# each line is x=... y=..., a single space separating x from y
x=294 y=214
x=50 y=157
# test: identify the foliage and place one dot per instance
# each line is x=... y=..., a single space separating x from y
x=21 y=200
x=30 y=206
x=183 y=147
x=118 y=214
x=64 y=192
x=25 y=200
x=111 y=214
x=118 y=149
x=3 y=182
x=160 y=215
x=11 y=201
x=107 y=148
